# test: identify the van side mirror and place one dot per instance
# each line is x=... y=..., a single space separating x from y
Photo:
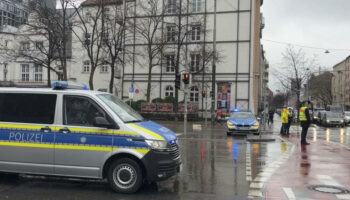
x=102 y=122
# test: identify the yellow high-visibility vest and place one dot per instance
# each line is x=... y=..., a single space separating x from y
x=284 y=116
x=302 y=116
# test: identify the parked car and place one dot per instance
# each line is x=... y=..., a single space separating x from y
x=332 y=119
x=320 y=117
x=346 y=117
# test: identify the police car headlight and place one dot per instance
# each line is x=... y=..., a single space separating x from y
x=230 y=124
x=157 y=144
x=256 y=124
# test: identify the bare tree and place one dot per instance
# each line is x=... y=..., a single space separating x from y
x=114 y=38
x=294 y=71
x=88 y=26
x=187 y=42
x=148 y=27
x=42 y=35
x=321 y=88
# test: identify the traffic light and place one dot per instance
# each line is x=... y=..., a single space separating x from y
x=177 y=81
x=203 y=93
x=186 y=78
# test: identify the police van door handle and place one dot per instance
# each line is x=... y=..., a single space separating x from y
x=65 y=130
x=46 y=129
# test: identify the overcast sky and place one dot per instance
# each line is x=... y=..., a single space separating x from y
x=316 y=23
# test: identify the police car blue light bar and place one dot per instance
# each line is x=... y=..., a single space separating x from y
x=61 y=85
x=235 y=110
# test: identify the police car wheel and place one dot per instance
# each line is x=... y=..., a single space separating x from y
x=125 y=176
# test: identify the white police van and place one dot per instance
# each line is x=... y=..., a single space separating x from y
x=81 y=133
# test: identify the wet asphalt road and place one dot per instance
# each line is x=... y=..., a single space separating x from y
x=215 y=167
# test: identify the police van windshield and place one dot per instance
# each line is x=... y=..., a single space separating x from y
x=124 y=111
x=242 y=115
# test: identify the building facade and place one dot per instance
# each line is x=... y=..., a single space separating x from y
x=13 y=13
x=238 y=39
x=340 y=84
x=238 y=33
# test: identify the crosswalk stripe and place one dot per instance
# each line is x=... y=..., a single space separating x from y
x=327 y=180
x=289 y=192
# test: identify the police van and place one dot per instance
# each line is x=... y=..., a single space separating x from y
x=67 y=131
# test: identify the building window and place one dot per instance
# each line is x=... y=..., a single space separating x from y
x=194 y=94
x=39 y=45
x=25 y=72
x=196 y=32
x=104 y=68
x=196 y=5
x=170 y=7
x=170 y=63
x=38 y=73
x=86 y=66
x=171 y=33
x=24 y=46
x=169 y=91
x=195 y=62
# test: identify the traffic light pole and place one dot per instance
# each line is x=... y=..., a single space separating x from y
x=214 y=69
x=206 y=110
x=185 y=110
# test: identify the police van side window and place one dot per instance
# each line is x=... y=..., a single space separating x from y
x=27 y=108
x=81 y=111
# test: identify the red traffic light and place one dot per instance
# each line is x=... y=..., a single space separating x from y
x=204 y=93
x=186 y=78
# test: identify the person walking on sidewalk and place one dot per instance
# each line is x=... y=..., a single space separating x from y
x=305 y=121
x=271 y=113
x=284 y=120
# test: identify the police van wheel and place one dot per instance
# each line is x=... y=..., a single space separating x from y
x=125 y=176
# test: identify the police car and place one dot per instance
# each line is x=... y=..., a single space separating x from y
x=68 y=131
x=242 y=122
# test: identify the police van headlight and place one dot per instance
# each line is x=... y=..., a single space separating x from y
x=158 y=144
x=230 y=123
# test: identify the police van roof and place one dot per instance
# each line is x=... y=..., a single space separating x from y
x=48 y=90
x=56 y=87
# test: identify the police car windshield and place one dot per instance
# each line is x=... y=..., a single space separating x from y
x=124 y=111
x=242 y=115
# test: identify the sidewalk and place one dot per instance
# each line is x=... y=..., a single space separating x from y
x=319 y=164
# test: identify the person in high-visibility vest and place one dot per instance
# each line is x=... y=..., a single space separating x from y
x=290 y=119
x=284 y=120
x=305 y=121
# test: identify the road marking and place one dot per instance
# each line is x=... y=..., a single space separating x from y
x=327 y=180
x=343 y=196
x=255 y=193
x=289 y=193
x=256 y=185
